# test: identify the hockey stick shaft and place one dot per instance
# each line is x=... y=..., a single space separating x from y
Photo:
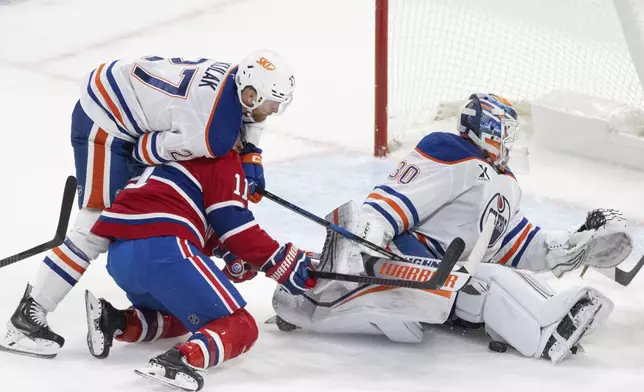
x=343 y=232
x=480 y=247
x=61 y=229
x=438 y=279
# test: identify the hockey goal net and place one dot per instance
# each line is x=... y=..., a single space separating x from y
x=432 y=54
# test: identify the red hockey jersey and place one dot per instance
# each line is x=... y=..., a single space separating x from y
x=203 y=201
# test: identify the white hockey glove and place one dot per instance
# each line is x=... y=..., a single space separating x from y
x=601 y=242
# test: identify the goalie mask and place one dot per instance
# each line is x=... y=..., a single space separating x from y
x=271 y=78
x=491 y=123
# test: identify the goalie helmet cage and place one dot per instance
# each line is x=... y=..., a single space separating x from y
x=430 y=55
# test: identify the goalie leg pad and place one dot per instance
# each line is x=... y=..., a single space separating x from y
x=367 y=309
x=340 y=254
x=524 y=312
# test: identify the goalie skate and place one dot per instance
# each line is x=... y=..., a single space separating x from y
x=571 y=330
x=170 y=369
x=282 y=324
x=28 y=332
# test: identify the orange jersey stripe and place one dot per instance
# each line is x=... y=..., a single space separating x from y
x=516 y=245
x=212 y=111
x=393 y=206
x=144 y=150
x=108 y=100
x=68 y=260
x=98 y=171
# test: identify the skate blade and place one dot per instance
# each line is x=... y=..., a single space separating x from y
x=95 y=338
x=185 y=383
x=43 y=348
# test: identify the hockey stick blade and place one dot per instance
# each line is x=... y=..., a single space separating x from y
x=437 y=281
x=618 y=274
x=342 y=231
x=61 y=229
x=625 y=277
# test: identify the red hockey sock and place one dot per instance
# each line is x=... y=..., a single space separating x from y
x=221 y=340
x=144 y=325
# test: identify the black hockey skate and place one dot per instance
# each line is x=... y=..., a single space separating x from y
x=28 y=332
x=171 y=369
x=570 y=330
x=103 y=323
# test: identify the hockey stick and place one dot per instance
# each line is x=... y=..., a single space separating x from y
x=61 y=230
x=438 y=279
x=478 y=252
x=619 y=275
x=343 y=232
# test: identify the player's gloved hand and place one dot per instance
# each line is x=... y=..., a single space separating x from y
x=236 y=270
x=290 y=267
x=601 y=241
x=252 y=163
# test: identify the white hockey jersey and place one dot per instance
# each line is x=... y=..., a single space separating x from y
x=173 y=109
x=444 y=189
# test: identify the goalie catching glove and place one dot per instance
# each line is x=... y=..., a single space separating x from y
x=601 y=242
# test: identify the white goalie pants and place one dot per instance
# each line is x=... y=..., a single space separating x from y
x=516 y=307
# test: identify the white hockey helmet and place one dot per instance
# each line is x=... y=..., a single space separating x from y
x=491 y=123
x=271 y=77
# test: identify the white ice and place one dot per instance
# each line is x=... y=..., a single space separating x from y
x=317 y=156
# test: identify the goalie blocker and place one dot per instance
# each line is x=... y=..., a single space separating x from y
x=515 y=306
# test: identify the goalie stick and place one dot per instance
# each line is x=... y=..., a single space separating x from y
x=343 y=232
x=439 y=277
x=61 y=229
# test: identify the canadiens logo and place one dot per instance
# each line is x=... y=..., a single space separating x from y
x=237 y=268
x=499 y=209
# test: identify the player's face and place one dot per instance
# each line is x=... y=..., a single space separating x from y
x=264 y=110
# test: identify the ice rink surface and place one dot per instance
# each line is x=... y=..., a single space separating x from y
x=317 y=155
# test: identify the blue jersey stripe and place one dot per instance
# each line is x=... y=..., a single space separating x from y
x=60 y=272
x=133 y=221
x=153 y=148
x=404 y=199
x=226 y=120
x=518 y=256
x=517 y=229
x=135 y=153
x=182 y=181
x=98 y=102
x=385 y=214
x=121 y=99
x=229 y=218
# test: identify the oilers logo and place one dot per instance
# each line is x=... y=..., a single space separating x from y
x=499 y=209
